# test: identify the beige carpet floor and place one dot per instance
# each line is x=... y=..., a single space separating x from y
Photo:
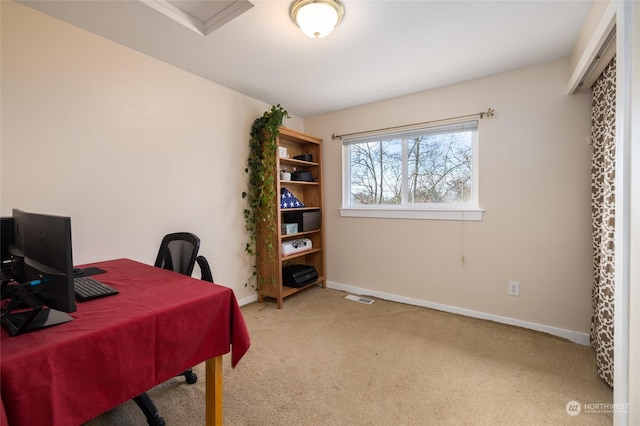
x=326 y=360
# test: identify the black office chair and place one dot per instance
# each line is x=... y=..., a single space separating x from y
x=178 y=252
x=205 y=270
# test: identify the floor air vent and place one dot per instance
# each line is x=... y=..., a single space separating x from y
x=359 y=299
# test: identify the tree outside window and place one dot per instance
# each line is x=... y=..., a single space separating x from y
x=430 y=166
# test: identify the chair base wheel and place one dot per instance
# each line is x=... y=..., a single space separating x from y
x=156 y=421
x=190 y=377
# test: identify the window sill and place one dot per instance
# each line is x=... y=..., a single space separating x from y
x=464 y=214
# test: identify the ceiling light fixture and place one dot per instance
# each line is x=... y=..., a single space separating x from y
x=316 y=18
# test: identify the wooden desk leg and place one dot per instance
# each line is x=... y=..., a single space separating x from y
x=214 y=391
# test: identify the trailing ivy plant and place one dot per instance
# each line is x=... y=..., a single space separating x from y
x=261 y=191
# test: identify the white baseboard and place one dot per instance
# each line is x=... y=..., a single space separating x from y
x=247 y=300
x=573 y=336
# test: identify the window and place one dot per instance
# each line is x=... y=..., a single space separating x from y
x=430 y=172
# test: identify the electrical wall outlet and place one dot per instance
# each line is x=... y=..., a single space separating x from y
x=514 y=288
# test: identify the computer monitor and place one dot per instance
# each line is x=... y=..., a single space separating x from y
x=48 y=257
x=6 y=238
x=9 y=262
x=19 y=218
x=48 y=286
x=13 y=247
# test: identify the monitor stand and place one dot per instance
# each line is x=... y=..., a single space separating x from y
x=34 y=317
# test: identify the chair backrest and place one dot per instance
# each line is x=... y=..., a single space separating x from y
x=205 y=270
x=178 y=252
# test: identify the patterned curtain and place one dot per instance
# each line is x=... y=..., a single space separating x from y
x=603 y=217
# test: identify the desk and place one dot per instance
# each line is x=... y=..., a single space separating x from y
x=120 y=346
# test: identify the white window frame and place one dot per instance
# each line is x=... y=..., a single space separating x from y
x=470 y=211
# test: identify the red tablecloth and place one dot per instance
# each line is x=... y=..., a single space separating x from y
x=117 y=347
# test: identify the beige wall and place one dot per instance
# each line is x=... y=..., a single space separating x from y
x=129 y=147
x=534 y=186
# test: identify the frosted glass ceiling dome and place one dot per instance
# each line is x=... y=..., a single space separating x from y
x=316 y=18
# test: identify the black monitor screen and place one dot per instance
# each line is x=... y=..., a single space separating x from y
x=48 y=259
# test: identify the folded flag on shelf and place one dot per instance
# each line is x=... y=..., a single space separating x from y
x=288 y=201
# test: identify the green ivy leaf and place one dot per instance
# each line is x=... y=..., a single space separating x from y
x=261 y=165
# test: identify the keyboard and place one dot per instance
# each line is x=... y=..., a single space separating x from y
x=88 y=288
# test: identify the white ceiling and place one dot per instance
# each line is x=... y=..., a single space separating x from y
x=382 y=49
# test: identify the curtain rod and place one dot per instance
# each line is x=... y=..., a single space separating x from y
x=488 y=113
